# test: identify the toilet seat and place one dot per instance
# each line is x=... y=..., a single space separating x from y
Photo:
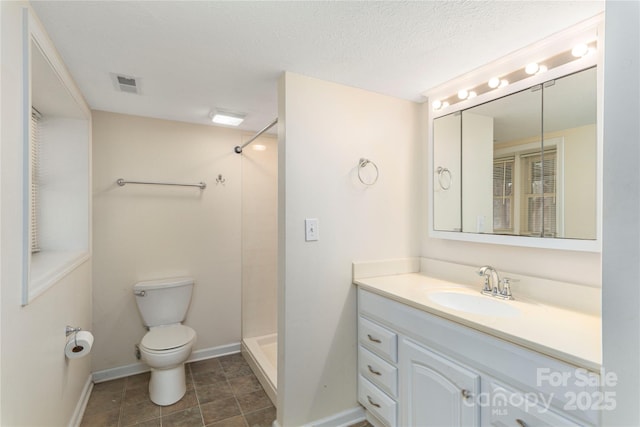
x=170 y=337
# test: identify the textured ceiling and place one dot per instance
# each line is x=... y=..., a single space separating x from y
x=192 y=57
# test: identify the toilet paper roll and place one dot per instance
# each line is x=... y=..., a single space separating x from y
x=78 y=345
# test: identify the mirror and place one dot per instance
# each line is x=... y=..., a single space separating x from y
x=524 y=164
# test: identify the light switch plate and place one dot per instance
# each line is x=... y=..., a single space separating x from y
x=311 y=231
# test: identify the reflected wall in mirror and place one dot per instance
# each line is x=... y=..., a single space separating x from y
x=446 y=180
x=528 y=163
x=569 y=118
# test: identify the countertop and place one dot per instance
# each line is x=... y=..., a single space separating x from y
x=567 y=335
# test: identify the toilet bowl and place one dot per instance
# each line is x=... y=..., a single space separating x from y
x=168 y=344
x=165 y=349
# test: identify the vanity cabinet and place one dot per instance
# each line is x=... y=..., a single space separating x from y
x=419 y=369
x=437 y=390
x=377 y=370
x=516 y=412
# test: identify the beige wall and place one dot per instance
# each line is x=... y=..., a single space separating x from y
x=447 y=186
x=580 y=163
x=477 y=176
x=324 y=129
x=259 y=237
x=39 y=385
x=144 y=232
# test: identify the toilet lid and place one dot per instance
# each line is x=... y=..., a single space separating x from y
x=168 y=337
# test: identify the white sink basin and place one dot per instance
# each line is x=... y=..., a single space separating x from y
x=474 y=303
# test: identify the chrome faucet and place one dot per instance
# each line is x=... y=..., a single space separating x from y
x=493 y=285
x=491 y=280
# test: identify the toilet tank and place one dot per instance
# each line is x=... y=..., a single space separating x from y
x=163 y=301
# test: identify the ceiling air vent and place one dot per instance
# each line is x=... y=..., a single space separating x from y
x=125 y=83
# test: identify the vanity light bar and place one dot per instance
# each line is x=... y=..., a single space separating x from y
x=531 y=69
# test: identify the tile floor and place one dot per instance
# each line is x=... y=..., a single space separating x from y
x=221 y=392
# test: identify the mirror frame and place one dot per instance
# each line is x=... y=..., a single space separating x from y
x=586 y=31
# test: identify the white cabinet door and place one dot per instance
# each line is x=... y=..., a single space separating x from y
x=436 y=391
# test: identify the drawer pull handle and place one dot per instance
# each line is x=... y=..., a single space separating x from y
x=466 y=394
x=376 y=340
x=377 y=405
x=521 y=423
x=373 y=371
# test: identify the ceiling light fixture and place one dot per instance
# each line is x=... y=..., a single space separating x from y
x=494 y=82
x=516 y=75
x=532 y=68
x=227 y=118
x=580 y=50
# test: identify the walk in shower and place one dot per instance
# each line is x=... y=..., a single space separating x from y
x=259 y=258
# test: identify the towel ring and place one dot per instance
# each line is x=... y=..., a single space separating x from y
x=442 y=171
x=363 y=163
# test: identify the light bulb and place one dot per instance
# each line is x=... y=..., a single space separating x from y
x=504 y=83
x=463 y=94
x=494 y=82
x=580 y=50
x=542 y=69
x=436 y=104
x=531 y=68
x=445 y=104
x=472 y=94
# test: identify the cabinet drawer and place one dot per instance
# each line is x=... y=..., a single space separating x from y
x=378 y=403
x=514 y=408
x=379 y=372
x=378 y=339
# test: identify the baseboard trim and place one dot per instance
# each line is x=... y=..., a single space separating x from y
x=139 y=368
x=341 y=419
x=78 y=413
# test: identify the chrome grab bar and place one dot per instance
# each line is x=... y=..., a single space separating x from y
x=121 y=182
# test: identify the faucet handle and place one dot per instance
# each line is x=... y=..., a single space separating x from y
x=506 y=287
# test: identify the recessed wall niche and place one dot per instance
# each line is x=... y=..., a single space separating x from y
x=56 y=152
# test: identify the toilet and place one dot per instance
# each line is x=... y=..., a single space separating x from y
x=166 y=347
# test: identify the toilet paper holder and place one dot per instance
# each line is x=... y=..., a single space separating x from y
x=79 y=342
x=71 y=330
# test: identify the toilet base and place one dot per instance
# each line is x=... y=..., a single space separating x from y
x=167 y=386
